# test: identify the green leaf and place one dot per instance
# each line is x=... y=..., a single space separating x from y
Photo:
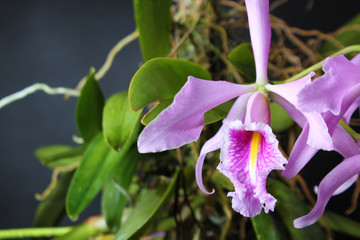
x=145 y=210
x=80 y=232
x=342 y=224
x=160 y=79
x=280 y=119
x=47 y=153
x=89 y=109
x=242 y=58
x=94 y=170
x=54 y=156
x=52 y=209
x=347 y=38
x=265 y=227
x=119 y=121
x=218 y=112
x=156 y=110
x=289 y=207
x=114 y=197
x=153 y=20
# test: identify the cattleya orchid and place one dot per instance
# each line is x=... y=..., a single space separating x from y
x=315 y=97
x=249 y=149
x=341 y=79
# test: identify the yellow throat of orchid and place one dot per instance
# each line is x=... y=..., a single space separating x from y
x=254 y=151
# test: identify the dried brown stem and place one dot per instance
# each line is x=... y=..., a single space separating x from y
x=295 y=40
x=181 y=41
x=238 y=6
x=343 y=29
x=354 y=199
x=54 y=180
x=305 y=189
x=320 y=35
x=227 y=211
x=276 y=4
x=310 y=198
x=243 y=228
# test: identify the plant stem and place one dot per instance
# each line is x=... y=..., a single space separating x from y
x=110 y=57
x=355 y=135
x=318 y=66
x=34 y=232
x=37 y=87
x=114 y=51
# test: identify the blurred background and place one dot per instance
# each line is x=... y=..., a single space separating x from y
x=56 y=42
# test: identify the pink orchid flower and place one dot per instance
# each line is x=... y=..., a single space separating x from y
x=335 y=95
x=249 y=149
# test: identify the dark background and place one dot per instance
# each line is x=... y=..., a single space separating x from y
x=56 y=42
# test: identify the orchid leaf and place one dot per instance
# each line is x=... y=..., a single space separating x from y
x=242 y=58
x=160 y=79
x=289 y=207
x=342 y=224
x=156 y=110
x=280 y=119
x=145 y=210
x=153 y=20
x=218 y=112
x=114 y=197
x=346 y=38
x=52 y=209
x=265 y=227
x=81 y=232
x=54 y=156
x=119 y=121
x=94 y=170
x=47 y=153
x=89 y=108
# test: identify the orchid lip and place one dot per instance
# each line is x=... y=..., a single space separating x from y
x=249 y=153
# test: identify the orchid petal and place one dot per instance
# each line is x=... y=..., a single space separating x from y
x=331 y=182
x=356 y=60
x=349 y=112
x=300 y=155
x=183 y=120
x=238 y=109
x=327 y=92
x=347 y=147
x=285 y=95
x=212 y=144
x=258 y=109
x=356 y=103
x=343 y=187
x=260 y=33
x=237 y=112
x=344 y=143
x=350 y=103
x=249 y=153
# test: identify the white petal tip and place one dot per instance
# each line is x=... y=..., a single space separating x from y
x=298 y=223
x=207 y=192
